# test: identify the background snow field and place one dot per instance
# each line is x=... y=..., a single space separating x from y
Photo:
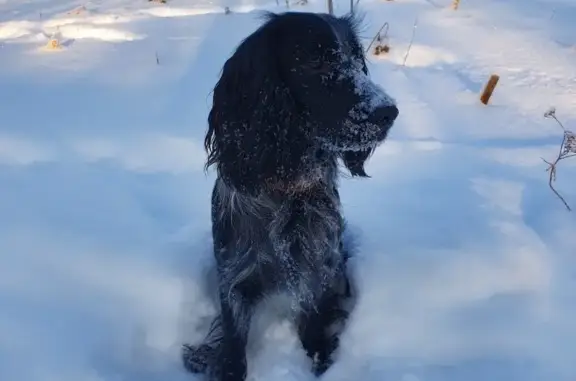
x=466 y=259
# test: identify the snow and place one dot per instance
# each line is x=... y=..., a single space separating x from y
x=465 y=260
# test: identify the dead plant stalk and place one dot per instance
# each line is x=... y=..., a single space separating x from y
x=411 y=41
x=567 y=150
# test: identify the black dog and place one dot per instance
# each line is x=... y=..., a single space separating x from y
x=292 y=100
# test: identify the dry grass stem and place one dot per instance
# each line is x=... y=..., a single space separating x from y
x=381 y=46
x=567 y=150
x=411 y=41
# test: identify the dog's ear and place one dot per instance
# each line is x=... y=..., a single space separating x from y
x=255 y=135
x=355 y=160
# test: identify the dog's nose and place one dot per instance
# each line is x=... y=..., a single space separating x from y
x=384 y=114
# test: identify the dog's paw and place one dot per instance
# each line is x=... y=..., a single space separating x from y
x=323 y=360
x=227 y=366
x=320 y=364
x=196 y=358
x=319 y=367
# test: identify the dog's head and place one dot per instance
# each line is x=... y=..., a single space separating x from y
x=296 y=86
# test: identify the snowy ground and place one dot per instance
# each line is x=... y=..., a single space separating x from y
x=466 y=257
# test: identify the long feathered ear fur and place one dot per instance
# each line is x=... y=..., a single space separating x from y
x=257 y=134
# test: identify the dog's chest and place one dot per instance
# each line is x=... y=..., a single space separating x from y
x=302 y=259
x=282 y=242
x=298 y=282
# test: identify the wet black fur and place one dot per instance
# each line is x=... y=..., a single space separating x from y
x=285 y=111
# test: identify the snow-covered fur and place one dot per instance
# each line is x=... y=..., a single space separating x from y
x=293 y=100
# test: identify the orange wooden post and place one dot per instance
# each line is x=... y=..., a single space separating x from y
x=53 y=44
x=489 y=88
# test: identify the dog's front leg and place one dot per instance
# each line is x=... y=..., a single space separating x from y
x=319 y=330
x=313 y=330
x=236 y=312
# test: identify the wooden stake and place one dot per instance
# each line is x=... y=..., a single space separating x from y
x=455 y=4
x=489 y=88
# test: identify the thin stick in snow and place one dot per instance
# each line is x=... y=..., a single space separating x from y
x=330 y=7
x=411 y=41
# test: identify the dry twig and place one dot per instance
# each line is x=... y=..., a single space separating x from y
x=567 y=150
x=379 y=38
x=411 y=41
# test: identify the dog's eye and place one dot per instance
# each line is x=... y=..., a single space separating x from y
x=318 y=66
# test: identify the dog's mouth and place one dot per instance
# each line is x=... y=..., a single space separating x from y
x=383 y=130
x=374 y=124
x=370 y=128
x=357 y=134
